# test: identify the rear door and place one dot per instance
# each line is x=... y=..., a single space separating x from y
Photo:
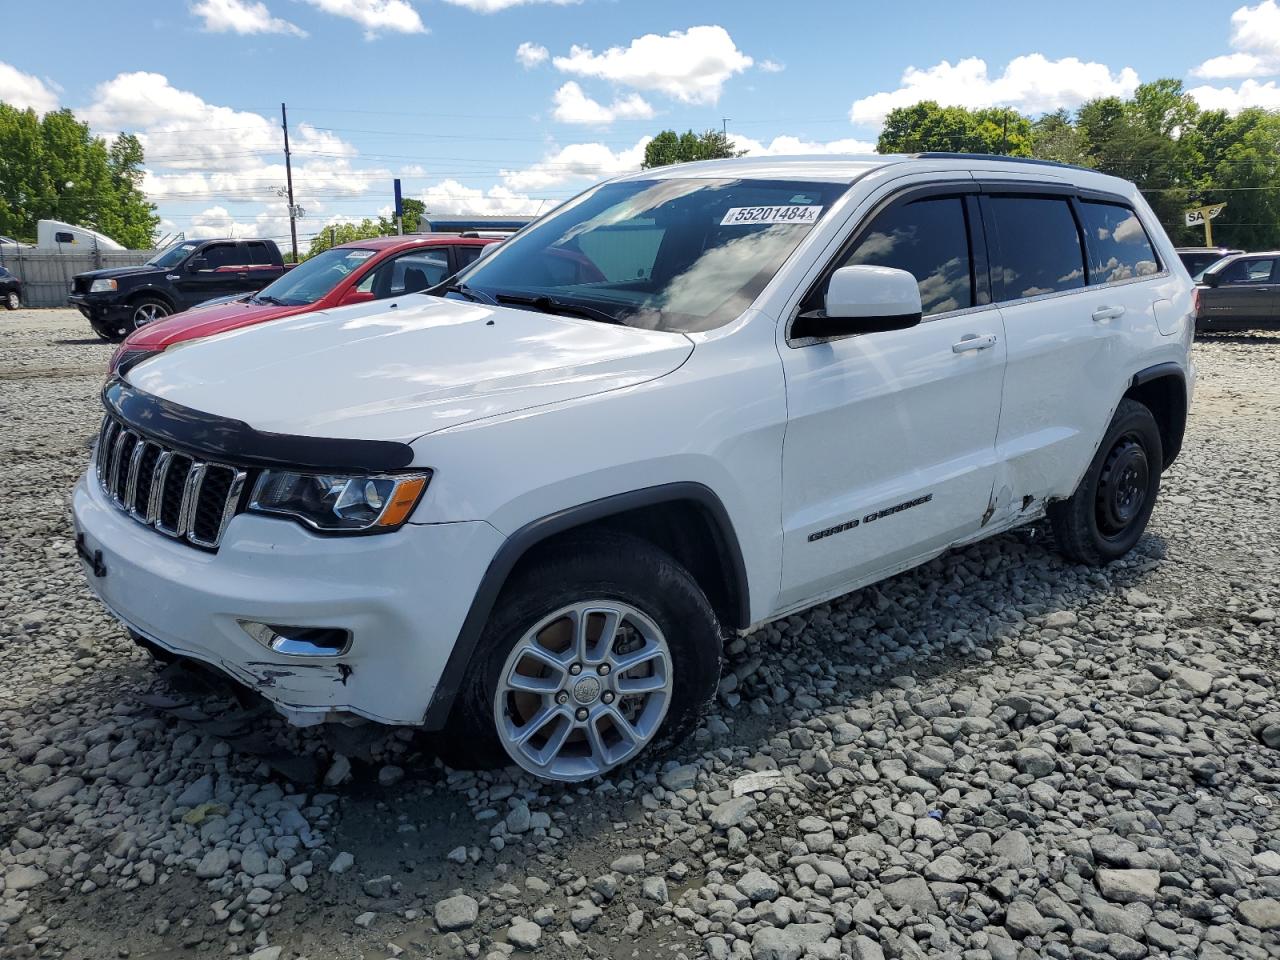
x=1071 y=279
x=1246 y=293
x=890 y=442
x=260 y=266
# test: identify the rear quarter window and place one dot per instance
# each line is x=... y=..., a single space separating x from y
x=1119 y=248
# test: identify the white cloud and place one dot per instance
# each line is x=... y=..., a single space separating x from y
x=398 y=16
x=530 y=55
x=577 y=161
x=793 y=146
x=1031 y=83
x=1250 y=93
x=691 y=66
x=574 y=106
x=493 y=6
x=452 y=197
x=23 y=90
x=1255 y=38
x=772 y=66
x=241 y=16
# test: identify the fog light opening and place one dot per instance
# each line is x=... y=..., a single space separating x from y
x=299 y=641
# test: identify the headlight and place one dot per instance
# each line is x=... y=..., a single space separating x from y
x=102 y=286
x=332 y=502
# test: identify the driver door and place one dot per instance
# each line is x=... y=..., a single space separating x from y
x=889 y=453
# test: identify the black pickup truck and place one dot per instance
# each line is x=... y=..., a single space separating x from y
x=119 y=300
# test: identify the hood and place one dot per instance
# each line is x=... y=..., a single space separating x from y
x=111 y=273
x=206 y=321
x=401 y=370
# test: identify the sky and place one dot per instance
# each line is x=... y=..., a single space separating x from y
x=510 y=106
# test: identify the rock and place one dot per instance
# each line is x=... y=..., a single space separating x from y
x=1014 y=848
x=253 y=860
x=628 y=864
x=1128 y=886
x=214 y=864
x=757 y=886
x=1060 y=619
x=945 y=868
x=456 y=913
x=864 y=948
x=524 y=935
x=655 y=889
x=519 y=820
x=1023 y=920
x=342 y=863
x=24 y=878
x=339 y=770
x=1035 y=763
x=682 y=777
x=267 y=953
x=365 y=920
x=457 y=855
x=390 y=775
x=1198 y=682
x=771 y=943
x=732 y=812
x=197 y=793
x=46 y=797
x=1260 y=914
x=584 y=915
x=910 y=892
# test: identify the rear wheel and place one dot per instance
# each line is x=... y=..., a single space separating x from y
x=1107 y=515
x=601 y=648
x=13 y=300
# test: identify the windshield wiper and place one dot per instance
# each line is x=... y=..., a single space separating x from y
x=551 y=305
x=259 y=298
x=472 y=294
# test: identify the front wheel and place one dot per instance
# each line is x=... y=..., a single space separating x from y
x=12 y=300
x=145 y=311
x=602 y=647
x=1107 y=515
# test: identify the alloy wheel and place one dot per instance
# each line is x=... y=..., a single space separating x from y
x=583 y=691
x=146 y=313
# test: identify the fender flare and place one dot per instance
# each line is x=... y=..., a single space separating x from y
x=535 y=532
x=1170 y=370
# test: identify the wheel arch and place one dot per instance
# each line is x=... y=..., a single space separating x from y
x=152 y=293
x=685 y=519
x=1162 y=389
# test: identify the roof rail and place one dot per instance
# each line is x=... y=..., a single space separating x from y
x=946 y=155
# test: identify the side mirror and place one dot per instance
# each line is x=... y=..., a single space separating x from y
x=196 y=264
x=1211 y=279
x=864 y=299
x=355 y=296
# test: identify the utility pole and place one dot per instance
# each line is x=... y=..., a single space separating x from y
x=1004 y=142
x=288 y=173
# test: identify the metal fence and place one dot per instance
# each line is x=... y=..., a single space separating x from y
x=46 y=274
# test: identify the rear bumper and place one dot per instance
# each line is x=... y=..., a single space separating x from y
x=403 y=596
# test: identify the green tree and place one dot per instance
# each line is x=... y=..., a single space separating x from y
x=670 y=147
x=927 y=126
x=53 y=168
x=1055 y=136
x=414 y=211
x=339 y=233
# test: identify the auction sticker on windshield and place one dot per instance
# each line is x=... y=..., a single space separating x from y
x=787 y=213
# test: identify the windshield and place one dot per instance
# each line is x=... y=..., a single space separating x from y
x=172 y=256
x=683 y=255
x=312 y=279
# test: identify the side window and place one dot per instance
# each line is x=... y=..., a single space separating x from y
x=466 y=256
x=259 y=255
x=1037 y=248
x=220 y=255
x=1247 y=271
x=930 y=240
x=407 y=273
x=1119 y=248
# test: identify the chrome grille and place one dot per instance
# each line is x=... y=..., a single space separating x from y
x=178 y=495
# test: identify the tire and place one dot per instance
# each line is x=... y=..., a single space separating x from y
x=656 y=606
x=1107 y=515
x=13 y=300
x=146 y=310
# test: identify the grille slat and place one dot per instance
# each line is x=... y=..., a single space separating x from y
x=172 y=492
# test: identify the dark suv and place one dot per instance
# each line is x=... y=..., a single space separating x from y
x=1195 y=259
x=1240 y=293
x=119 y=300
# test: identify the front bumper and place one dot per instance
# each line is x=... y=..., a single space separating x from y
x=403 y=596
x=98 y=310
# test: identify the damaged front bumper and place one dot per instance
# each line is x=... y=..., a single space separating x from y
x=402 y=597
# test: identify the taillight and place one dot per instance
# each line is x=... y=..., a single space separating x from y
x=1195 y=301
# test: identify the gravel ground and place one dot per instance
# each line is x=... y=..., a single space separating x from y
x=998 y=755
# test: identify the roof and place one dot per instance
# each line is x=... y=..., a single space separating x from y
x=415 y=240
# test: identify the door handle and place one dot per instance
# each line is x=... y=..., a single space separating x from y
x=1108 y=313
x=973 y=342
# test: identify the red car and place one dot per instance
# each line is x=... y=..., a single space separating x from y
x=354 y=272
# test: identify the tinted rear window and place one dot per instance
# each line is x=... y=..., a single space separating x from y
x=1119 y=248
x=1037 y=248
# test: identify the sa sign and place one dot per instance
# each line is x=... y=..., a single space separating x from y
x=1199 y=216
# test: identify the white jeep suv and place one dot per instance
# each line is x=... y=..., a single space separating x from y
x=524 y=511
